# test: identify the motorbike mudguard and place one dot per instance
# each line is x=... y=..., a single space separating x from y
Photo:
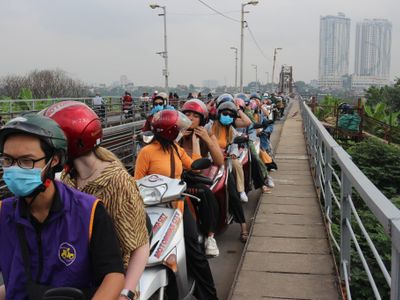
x=152 y=279
x=167 y=232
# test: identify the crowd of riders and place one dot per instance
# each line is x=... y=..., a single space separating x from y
x=76 y=217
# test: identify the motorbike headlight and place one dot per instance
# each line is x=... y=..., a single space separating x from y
x=151 y=196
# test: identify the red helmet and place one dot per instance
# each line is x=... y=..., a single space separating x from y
x=197 y=106
x=80 y=124
x=169 y=123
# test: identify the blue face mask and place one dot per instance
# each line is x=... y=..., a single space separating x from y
x=22 y=182
x=156 y=109
x=226 y=120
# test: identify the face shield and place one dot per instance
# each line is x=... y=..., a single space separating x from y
x=183 y=123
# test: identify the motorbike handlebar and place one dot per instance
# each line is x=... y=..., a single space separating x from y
x=192 y=178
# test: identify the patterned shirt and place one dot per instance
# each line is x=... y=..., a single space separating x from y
x=120 y=195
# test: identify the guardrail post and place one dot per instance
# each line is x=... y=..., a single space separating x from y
x=395 y=274
x=395 y=268
x=318 y=166
x=345 y=213
x=328 y=180
x=314 y=153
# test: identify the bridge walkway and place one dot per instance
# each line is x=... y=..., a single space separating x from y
x=288 y=255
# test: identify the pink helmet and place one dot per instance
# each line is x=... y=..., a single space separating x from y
x=253 y=104
x=240 y=103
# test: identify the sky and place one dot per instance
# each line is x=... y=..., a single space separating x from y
x=97 y=41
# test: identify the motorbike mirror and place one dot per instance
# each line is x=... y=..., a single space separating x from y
x=64 y=293
x=148 y=137
x=201 y=164
x=240 y=140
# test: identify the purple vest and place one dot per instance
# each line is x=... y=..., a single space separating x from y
x=65 y=240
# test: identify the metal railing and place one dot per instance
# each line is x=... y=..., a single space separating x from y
x=337 y=179
x=112 y=113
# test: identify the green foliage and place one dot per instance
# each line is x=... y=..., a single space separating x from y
x=380 y=163
x=382 y=112
x=390 y=95
x=327 y=107
x=25 y=94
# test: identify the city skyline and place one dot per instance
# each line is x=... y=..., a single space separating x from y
x=373 y=48
x=334 y=50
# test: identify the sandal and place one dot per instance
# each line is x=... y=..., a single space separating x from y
x=266 y=190
x=244 y=236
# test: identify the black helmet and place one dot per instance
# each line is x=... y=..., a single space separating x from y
x=43 y=127
x=227 y=106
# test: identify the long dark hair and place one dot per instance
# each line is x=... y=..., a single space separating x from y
x=166 y=145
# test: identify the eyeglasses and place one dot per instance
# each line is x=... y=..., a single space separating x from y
x=158 y=103
x=227 y=113
x=24 y=163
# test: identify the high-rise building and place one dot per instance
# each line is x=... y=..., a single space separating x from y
x=373 y=43
x=334 y=44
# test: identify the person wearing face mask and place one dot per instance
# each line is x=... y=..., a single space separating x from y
x=50 y=234
x=95 y=170
x=165 y=157
x=159 y=104
x=223 y=129
x=207 y=208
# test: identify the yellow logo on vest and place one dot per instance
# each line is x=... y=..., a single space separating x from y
x=66 y=253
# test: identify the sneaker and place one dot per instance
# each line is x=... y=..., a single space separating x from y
x=266 y=190
x=243 y=197
x=211 y=247
x=270 y=182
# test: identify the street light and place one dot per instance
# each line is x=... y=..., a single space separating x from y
x=241 y=40
x=164 y=54
x=236 y=61
x=255 y=67
x=273 y=67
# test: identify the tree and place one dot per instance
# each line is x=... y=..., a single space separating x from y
x=43 y=84
x=390 y=95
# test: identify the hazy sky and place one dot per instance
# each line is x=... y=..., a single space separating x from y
x=97 y=41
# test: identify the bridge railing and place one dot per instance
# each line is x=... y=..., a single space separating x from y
x=111 y=114
x=341 y=184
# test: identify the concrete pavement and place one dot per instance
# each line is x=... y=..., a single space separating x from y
x=288 y=255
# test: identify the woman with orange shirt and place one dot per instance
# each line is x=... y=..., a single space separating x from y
x=207 y=209
x=164 y=157
x=223 y=129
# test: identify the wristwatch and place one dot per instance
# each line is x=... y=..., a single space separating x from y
x=128 y=294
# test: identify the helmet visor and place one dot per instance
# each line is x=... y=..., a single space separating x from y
x=183 y=122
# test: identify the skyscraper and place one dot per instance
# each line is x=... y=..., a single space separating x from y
x=373 y=43
x=334 y=44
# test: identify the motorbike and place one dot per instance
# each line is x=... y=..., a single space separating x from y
x=219 y=185
x=246 y=156
x=166 y=270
